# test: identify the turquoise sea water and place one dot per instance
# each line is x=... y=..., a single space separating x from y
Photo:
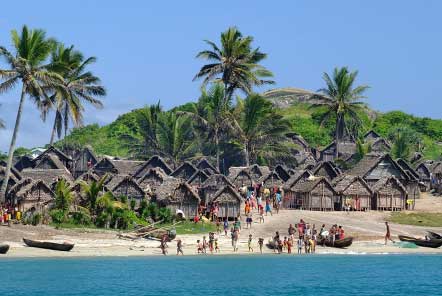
x=232 y=275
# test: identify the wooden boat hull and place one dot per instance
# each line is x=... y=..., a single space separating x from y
x=48 y=245
x=433 y=243
x=434 y=235
x=341 y=243
x=4 y=248
x=271 y=245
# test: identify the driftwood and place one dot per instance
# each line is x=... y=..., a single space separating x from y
x=150 y=232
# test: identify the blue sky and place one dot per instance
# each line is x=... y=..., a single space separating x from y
x=146 y=49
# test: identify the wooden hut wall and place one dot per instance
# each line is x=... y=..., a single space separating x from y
x=229 y=204
x=390 y=197
x=130 y=189
x=320 y=198
x=81 y=162
x=358 y=195
x=184 y=200
x=40 y=198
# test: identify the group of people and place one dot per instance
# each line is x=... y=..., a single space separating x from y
x=9 y=213
x=211 y=244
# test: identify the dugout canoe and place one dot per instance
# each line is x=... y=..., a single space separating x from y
x=432 y=243
x=48 y=245
x=340 y=243
x=434 y=235
x=4 y=248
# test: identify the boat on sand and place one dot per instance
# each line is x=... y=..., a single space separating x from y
x=340 y=243
x=4 y=248
x=48 y=245
x=434 y=235
x=432 y=243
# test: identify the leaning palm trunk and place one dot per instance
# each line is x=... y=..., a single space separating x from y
x=246 y=155
x=12 y=146
x=340 y=124
x=51 y=142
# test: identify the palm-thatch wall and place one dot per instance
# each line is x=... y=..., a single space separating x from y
x=355 y=192
x=316 y=194
x=32 y=194
x=229 y=202
x=389 y=194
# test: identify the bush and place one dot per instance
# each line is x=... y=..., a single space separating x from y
x=133 y=203
x=57 y=216
x=81 y=218
x=36 y=219
x=165 y=214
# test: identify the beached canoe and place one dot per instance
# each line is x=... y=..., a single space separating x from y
x=271 y=244
x=48 y=245
x=4 y=248
x=434 y=235
x=432 y=243
x=341 y=243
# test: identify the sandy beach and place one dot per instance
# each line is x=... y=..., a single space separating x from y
x=367 y=228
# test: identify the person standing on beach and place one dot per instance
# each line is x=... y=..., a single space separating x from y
x=268 y=207
x=261 y=214
x=204 y=245
x=300 y=244
x=291 y=231
x=216 y=246
x=235 y=240
x=249 y=243
x=388 y=234
x=179 y=247
x=226 y=226
x=249 y=220
x=260 y=243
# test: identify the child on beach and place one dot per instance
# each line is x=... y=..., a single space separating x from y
x=199 y=247
x=226 y=226
x=261 y=214
x=249 y=220
x=285 y=243
x=289 y=246
x=179 y=247
x=300 y=244
x=216 y=246
x=250 y=243
x=260 y=243
x=218 y=226
x=204 y=245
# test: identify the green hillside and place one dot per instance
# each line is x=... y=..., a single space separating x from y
x=107 y=139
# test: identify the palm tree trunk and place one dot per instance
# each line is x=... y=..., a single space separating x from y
x=12 y=146
x=338 y=134
x=217 y=150
x=246 y=155
x=53 y=132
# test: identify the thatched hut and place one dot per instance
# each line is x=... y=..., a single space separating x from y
x=12 y=178
x=258 y=172
x=65 y=159
x=346 y=149
x=154 y=162
x=229 y=202
x=49 y=176
x=355 y=192
x=424 y=173
x=389 y=194
x=83 y=161
x=49 y=161
x=184 y=171
x=292 y=200
x=240 y=177
x=128 y=186
x=32 y=194
x=183 y=198
x=212 y=185
x=24 y=162
x=152 y=179
x=317 y=194
x=117 y=166
x=380 y=145
x=371 y=136
x=271 y=180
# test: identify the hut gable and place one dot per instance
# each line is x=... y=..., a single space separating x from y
x=122 y=167
x=316 y=185
x=389 y=185
x=282 y=172
x=127 y=186
x=105 y=166
x=198 y=178
x=271 y=179
x=84 y=160
x=353 y=185
x=380 y=145
x=373 y=168
x=153 y=178
x=88 y=177
x=346 y=149
x=217 y=180
x=184 y=194
x=14 y=171
x=227 y=195
x=154 y=162
x=326 y=169
x=423 y=170
x=52 y=150
x=299 y=141
x=257 y=172
x=33 y=194
x=299 y=176
x=241 y=178
x=207 y=167
x=371 y=136
x=49 y=161
x=184 y=171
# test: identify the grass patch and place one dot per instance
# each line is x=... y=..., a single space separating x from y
x=187 y=227
x=419 y=219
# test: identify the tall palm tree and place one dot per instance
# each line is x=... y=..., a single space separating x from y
x=342 y=101
x=211 y=115
x=26 y=67
x=92 y=192
x=176 y=137
x=63 y=196
x=260 y=128
x=234 y=62
x=78 y=86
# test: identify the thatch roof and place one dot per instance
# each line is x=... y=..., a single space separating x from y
x=310 y=184
x=49 y=161
x=326 y=169
x=47 y=175
x=166 y=190
x=153 y=174
x=386 y=182
x=198 y=178
x=257 y=172
x=184 y=171
x=351 y=185
x=88 y=176
x=217 y=180
x=154 y=162
x=298 y=140
x=14 y=171
x=380 y=144
x=371 y=135
x=206 y=166
x=370 y=162
x=240 y=176
x=24 y=162
x=27 y=186
x=226 y=194
x=127 y=181
x=282 y=172
x=12 y=177
x=299 y=175
x=407 y=168
x=52 y=150
x=423 y=170
x=273 y=178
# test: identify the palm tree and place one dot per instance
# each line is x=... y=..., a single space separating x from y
x=78 y=85
x=92 y=192
x=176 y=137
x=234 y=63
x=261 y=130
x=147 y=119
x=63 y=196
x=342 y=101
x=211 y=115
x=404 y=141
x=27 y=67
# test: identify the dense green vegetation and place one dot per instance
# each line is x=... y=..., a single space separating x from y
x=419 y=219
